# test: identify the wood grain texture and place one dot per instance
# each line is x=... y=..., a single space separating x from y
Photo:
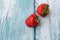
x=12 y=17
x=42 y=31
x=54 y=19
x=14 y=12
x=49 y=28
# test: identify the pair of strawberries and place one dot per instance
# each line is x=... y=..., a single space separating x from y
x=33 y=19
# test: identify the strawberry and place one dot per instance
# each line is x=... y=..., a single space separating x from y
x=43 y=9
x=32 y=20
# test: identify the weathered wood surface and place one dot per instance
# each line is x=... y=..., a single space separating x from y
x=14 y=12
x=49 y=28
x=12 y=16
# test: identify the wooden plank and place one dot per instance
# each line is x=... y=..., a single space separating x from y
x=49 y=28
x=54 y=19
x=42 y=31
x=0 y=20
x=3 y=13
x=12 y=22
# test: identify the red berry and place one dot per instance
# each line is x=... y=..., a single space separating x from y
x=32 y=20
x=43 y=9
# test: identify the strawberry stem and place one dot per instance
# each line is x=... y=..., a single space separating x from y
x=46 y=10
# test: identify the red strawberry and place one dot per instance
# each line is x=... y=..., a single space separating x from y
x=43 y=9
x=32 y=20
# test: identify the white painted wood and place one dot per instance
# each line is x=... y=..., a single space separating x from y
x=49 y=28
x=14 y=12
x=54 y=19
x=42 y=31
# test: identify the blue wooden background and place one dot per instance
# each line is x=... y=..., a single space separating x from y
x=14 y=12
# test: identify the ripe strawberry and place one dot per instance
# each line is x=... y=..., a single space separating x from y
x=32 y=20
x=43 y=9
